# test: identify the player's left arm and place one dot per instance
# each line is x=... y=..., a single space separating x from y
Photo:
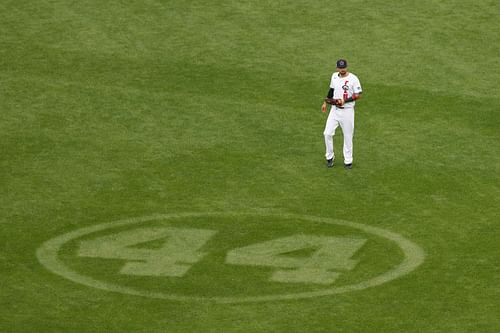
x=354 y=97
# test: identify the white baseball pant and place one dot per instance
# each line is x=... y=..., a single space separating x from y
x=345 y=119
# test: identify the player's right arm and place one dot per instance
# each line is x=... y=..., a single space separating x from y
x=329 y=95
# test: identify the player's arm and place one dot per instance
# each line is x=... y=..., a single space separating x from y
x=328 y=96
x=353 y=97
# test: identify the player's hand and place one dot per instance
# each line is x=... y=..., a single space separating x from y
x=336 y=102
x=323 y=107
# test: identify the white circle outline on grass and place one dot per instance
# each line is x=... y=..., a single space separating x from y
x=47 y=254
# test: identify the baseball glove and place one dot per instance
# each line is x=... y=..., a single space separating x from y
x=333 y=101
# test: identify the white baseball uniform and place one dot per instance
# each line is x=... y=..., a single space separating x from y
x=343 y=87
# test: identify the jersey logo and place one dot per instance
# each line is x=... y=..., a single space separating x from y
x=345 y=86
x=345 y=95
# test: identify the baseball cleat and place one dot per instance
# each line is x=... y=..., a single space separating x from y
x=348 y=166
x=329 y=163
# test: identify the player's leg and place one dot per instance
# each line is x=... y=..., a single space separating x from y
x=347 y=125
x=329 y=132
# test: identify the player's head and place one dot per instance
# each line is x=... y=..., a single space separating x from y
x=342 y=66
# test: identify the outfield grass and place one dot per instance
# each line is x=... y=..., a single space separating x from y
x=119 y=110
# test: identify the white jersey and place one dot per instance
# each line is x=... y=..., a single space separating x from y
x=345 y=87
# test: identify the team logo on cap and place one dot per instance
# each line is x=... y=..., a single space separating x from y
x=341 y=63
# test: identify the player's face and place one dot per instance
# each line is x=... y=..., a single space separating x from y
x=342 y=71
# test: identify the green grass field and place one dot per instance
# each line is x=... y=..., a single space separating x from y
x=162 y=167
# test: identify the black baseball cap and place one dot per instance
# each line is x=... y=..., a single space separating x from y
x=341 y=63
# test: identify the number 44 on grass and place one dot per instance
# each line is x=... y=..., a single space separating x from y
x=297 y=259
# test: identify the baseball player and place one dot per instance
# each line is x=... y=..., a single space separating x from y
x=345 y=89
